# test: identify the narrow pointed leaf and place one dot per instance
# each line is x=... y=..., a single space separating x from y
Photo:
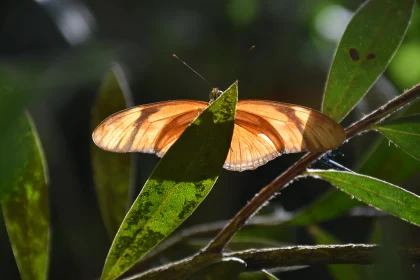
x=179 y=183
x=228 y=268
x=339 y=272
x=380 y=194
x=365 y=50
x=111 y=171
x=269 y=275
x=25 y=204
x=404 y=132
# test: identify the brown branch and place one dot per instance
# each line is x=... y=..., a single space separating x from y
x=206 y=230
x=257 y=259
x=318 y=255
x=383 y=112
x=225 y=235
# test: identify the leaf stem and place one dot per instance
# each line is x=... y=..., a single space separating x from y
x=257 y=259
x=205 y=230
x=279 y=183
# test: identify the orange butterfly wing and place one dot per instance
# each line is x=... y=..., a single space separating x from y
x=265 y=129
x=151 y=128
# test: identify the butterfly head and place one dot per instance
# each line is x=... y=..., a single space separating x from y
x=214 y=94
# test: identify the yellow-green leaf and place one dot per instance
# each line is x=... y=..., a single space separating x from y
x=179 y=183
x=365 y=50
x=269 y=275
x=112 y=172
x=404 y=132
x=380 y=194
x=25 y=204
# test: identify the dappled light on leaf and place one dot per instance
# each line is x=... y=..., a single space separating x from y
x=179 y=183
x=25 y=205
x=111 y=172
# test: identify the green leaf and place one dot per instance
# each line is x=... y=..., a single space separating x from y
x=383 y=160
x=404 y=132
x=179 y=183
x=339 y=272
x=227 y=268
x=25 y=204
x=365 y=50
x=111 y=171
x=380 y=194
x=269 y=275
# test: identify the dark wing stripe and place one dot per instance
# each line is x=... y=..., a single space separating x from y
x=137 y=127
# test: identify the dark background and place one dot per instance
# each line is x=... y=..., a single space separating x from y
x=295 y=43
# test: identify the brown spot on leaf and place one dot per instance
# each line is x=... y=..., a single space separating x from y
x=371 y=56
x=354 y=54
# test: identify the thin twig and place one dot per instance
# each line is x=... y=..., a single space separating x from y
x=207 y=230
x=257 y=259
x=225 y=235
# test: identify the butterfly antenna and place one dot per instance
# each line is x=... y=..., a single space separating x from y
x=189 y=67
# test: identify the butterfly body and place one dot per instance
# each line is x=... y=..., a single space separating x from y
x=214 y=93
x=263 y=130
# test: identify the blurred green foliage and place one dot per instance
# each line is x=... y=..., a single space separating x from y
x=112 y=172
x=24 y=201
x=294 y=46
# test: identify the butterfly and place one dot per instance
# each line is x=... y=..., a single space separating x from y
x=263 y=130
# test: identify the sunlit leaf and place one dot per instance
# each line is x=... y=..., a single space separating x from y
x=384 y=159
x=111 y=171
x=228 y=268
x=380 y=194
x=339 y=272
x=269 y=275
x=24 y=200
x=404 y=132
x=365 y=50
x=179 y=183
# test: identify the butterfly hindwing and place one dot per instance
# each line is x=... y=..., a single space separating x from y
x=265 y=129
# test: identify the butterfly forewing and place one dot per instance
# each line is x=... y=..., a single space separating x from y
x=147 y=129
